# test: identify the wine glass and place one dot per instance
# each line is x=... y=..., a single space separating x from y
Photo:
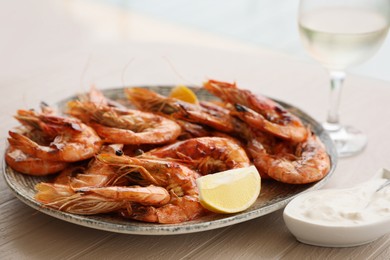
x=340 y=34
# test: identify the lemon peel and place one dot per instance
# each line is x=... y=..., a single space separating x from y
x=229 y=191
x=184 y=93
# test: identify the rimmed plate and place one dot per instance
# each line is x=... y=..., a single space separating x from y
x=274 y=195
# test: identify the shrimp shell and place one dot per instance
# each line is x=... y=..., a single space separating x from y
x=259 y=112
x=147 y=100
x=69 y=140
x=204 y=154
x=125 y=126
x=292 y=163
x=176 y=178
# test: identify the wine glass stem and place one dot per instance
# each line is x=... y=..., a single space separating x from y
x=336 y=83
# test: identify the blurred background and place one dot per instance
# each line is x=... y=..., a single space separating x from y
x=234 y=25
x=267 y=24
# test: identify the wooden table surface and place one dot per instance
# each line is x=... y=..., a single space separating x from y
x=52 y=64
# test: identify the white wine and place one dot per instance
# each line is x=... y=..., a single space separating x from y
x=342 y=37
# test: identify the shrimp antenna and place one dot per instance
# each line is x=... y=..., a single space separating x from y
x=124 y=70
x=86 y=66
x=175 y=70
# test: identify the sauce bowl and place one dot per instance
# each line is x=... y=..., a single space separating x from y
x=314 y=219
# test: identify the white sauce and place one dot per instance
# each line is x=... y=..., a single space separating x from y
x=344 y=207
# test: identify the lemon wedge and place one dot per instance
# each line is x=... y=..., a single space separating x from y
x=183 y=93
x=229 y=191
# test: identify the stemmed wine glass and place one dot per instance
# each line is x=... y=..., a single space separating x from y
x=340 y=34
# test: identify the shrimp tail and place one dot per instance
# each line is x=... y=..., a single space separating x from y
x=21 y=142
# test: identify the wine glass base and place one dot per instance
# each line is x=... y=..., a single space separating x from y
x=348 y=140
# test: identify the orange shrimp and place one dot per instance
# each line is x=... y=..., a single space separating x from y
x=71 y=140
x=180 y=209
x=177 y=179
x=97 y=188
x=149 y=195
x=294 y=163
x=98 y=98
x=125 y=126
x=150 y=101
x=24 y=163
x=96 y=200
x=260 y=112
x=95 y=174
x=204 y=154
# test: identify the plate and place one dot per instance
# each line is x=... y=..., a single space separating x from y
x=274 y=195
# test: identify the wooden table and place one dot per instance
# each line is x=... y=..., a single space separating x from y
x=53 y=74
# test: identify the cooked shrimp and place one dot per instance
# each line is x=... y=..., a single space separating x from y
x=125 y=126
x=98 y=98
x=204 y=154
x=97 y=175
x=176 y=178
x=64 y=198
x=71 y=139
x=96 y=189
x=96 y=200
x=292 y=163
x=260 y=112
x=150 y=101
x=24 y=163
x=94 y=174
x=149 y=195
x=179 y=209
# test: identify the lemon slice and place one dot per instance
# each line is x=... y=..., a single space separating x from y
x=183 y=93
x=229 y=191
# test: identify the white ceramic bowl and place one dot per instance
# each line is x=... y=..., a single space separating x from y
x=331 y=234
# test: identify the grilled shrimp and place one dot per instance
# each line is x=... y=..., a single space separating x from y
x=94 y=174
x=177 y=179
x=125 y=126
x=70 y=139
x=204 y=154
x=260 y=112
x=24 y=163
x=98 y=98
x=294 y=163
x=96 y=188
x=150 y=101
x=96 y=200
